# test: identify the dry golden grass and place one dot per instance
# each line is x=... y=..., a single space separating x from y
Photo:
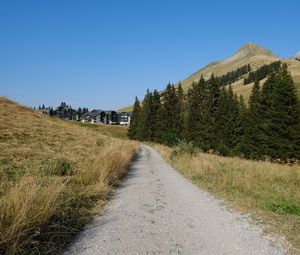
x=269 y=192
x=115 y=131
x=52 y=174
x=128 y=108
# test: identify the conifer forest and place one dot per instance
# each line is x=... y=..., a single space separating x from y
x=211 y=117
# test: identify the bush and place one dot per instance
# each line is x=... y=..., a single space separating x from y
x=170 y=139
x=187 y=147
x=184 y=147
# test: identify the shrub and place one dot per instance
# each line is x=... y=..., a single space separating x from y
x=170 y=139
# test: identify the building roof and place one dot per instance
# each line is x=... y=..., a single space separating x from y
x=96 y=112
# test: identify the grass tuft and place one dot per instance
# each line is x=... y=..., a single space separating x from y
x=59 y=167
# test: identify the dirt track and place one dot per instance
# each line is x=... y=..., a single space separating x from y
x=157 y=211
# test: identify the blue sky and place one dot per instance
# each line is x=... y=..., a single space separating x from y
x=101 y=54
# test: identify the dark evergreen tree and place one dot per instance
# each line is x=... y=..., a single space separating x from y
x=212 y=105
x=135 y=119
x=145 y=120
x=197 y=125
x=155 y=109
x=240 y=132
x=251 y=144
x=85 y=110
x=227 y=121
x=79 y=112
x=282 y=118
x=169 y=116
x=181 y=103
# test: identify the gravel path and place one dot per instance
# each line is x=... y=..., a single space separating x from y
x=157 y=211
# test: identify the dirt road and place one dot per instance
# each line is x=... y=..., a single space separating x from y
x=157 y=211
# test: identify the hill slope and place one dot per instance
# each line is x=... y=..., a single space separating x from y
x=297 y=56
x=251 y=54
x=52 y=173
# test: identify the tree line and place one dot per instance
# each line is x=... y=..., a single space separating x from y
x=213 y=118
x=235 y=75
x=262 y=72
x=63 y=107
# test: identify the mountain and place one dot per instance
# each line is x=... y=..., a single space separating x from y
x=251 y=54
x=297 y=56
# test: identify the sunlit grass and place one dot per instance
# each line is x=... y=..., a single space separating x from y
x=52 y=174
x=115 y=131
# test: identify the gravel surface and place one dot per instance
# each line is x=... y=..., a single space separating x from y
x=157 y=211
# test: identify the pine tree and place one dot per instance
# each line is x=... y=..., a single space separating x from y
x=181 y=103
x=212 y=106
x=169 y=116
x=134 y=122
x=155 y=109
x=196 y=124
x=251 y=144
x=220 y=126
x=227 y=121
x=233 y=123
x=266 y=101
x=144 y=129
x=283 y=118
x=240 y=125
x=79 y=112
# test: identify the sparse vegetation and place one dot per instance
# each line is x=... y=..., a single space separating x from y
x=269 y=191
x=52 y=174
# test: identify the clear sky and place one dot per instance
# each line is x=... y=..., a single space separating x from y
x=101 y=54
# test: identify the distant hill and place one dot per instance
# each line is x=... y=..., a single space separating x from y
x=297 y=56
x=125 y=109
x=251 y=54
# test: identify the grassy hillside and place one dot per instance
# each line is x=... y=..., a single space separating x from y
x=249 y=54
x=52 y=174
x=126 y=109
x=115 y=131
x=268 y=191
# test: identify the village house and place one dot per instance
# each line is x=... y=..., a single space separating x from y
x=100 y=117
x=95 y=116
x=124 y=118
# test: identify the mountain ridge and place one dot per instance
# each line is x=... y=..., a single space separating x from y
x=297 y=56
x=249 y=54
